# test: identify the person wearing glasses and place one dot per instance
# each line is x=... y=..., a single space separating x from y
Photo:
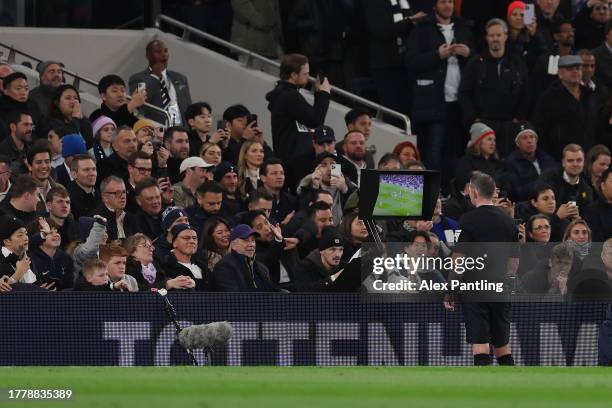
x=112 y=207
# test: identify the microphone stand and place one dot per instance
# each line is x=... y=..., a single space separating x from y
x=171 y=312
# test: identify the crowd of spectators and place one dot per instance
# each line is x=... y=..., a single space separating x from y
x=115 y=201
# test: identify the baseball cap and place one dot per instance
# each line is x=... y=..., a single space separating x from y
x=325 y=155
x=242 y=231
x=323 y=134
x=568 y=61
x=170 y=215
x=194 y=161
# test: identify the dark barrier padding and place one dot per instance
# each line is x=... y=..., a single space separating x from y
x=278 y=329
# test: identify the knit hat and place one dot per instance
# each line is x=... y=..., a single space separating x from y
x=143 y=123
x=177 y=229
x=524 y=127
x=223 y=168
x=42 y=66
x=73 y=144
x=242 y=231
x=101 y=122
x=330 y=237
x=170 y=215
x=514 y=5
x=10 y=225
x=479 y=131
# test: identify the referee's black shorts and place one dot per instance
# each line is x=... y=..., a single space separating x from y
x=487 y=322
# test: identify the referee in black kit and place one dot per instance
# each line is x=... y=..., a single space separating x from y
x=486 y=322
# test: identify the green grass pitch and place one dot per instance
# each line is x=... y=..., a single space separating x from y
x=294 y=387
x=394 y=200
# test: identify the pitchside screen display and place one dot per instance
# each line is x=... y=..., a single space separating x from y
x=399 y=194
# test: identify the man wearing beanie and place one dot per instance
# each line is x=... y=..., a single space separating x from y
x=14 y=262
x=238 y=271
x=51 y=76
x=323 y=265
x=184 y=259
x=171 y=217
x=226 y=174
x=526 y=163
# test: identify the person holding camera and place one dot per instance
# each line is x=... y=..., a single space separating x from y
x=332 y=180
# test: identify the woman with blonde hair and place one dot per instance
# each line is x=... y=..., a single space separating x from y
x=250 y=158
x=211 y=153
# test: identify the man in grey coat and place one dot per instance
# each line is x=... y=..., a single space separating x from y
x=166 y=89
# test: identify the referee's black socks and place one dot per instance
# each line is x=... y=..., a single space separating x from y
x=482 y=359
x=505 y=360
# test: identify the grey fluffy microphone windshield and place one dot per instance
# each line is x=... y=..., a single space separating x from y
x=206 y=336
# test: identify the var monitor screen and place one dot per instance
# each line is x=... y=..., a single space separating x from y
x=399 y=194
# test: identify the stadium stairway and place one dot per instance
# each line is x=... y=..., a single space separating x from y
x=214 y=78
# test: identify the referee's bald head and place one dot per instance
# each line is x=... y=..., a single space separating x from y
x=483 y=183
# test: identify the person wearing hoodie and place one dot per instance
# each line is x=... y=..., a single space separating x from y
x=292 y=116
x=323 y=265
